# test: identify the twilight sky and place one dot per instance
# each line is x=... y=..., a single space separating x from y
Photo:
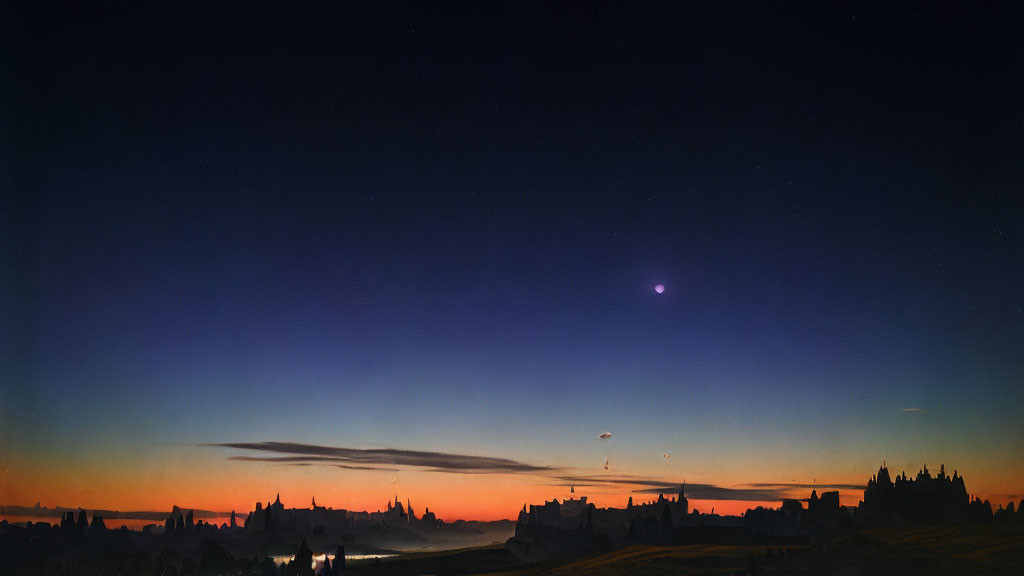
x=354 y=251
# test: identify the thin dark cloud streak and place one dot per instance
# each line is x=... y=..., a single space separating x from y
x=383 y=459
x=693 y=491
x=379 y=458
x=712 y=492
x=808 y=486
x=307 y=461
x=280 y=459
x=757 y=492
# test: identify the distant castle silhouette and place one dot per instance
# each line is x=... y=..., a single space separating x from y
x=555 y=528
x=318 y=519
x=573 y=526
x=188 y=547
x=922 y=499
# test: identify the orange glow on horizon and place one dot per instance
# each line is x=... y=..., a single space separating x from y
x=447 y=504
x=222 y=486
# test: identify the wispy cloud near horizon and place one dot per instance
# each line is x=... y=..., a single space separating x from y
x=809 y=486
x=386 y=459
x=380 y=458
x=758 y=492
x=921 y=410
x=306 y=461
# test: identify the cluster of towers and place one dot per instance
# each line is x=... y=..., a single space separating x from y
x=274 y=516
x=925 y=498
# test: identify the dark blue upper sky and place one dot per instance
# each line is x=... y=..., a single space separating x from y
x=396 y=212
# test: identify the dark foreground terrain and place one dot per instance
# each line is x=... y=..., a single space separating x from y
x=905 y=550
x=932 y=550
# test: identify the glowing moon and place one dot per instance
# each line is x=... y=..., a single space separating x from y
x=659 y=288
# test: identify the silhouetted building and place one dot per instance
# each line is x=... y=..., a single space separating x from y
x=556 y=529
x=575 y=525
x=922 y=499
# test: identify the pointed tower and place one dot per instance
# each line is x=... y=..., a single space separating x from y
x=83 y=523
x=883 y=476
